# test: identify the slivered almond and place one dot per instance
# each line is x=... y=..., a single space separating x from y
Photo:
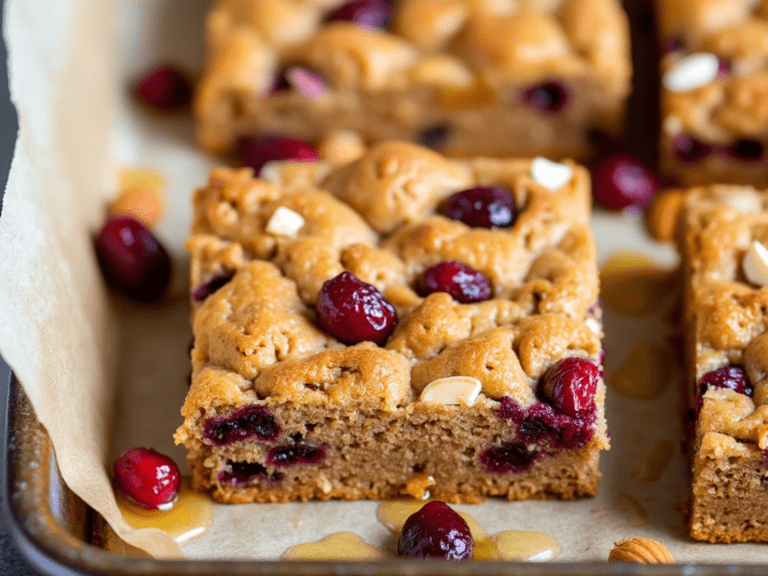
x=285 y=222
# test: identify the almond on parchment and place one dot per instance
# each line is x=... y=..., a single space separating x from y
x=640 y=551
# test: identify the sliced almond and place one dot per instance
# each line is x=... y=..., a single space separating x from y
x=692 y=72
x=755 y=264
x=285 y=222
x=551 y=175
x=452 y=391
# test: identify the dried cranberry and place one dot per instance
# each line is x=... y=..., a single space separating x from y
x=435 y=136
x=547 y=97
x=132 y=259
x=201 y=292
x=689 y=149
x=540 y=424
x=729 y=377
x=146 y=477
x=724 y=67
x=571 y=385
x=165 y=88
x=244 y=473
x=242 y=424
x=482 y=207
x=354 y=311
x=295 y=454
x=620 y=181
x=436 y=531
x=370 y=13
x=509 y=457
x=462 y=282
x=748 y=150
x=258 y=151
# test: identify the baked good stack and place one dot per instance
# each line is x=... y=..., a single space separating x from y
x=402 y=322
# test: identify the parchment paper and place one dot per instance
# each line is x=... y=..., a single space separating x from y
x=75 y=348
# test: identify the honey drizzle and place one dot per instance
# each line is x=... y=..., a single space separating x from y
x=634 y=285
x=190 y=517
x=337 y=546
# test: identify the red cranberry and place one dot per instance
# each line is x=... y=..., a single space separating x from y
x=747 y=150
x=146 y=477
x=165 y=88
x=201 y=292
x=295 y=454
x=132 y=259
x=729 y=377
x=354 y=311
x=257 y=152
x=436 y=531
x=509 y=458
x=465 y=284
x=242 y=424
x=571 y=385
x=245 y=473
x=620 y=181
x=724 y=67
x=483 y=207
x=547 y=97
x=435 y=136
x=689 y=149
x=370 y=13
x=540 y=424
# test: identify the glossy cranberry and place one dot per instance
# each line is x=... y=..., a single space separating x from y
x=132 y=259
x=436 y=531
x=295 y=454
x=689 y=149
x=724 y=67
x=245 y=473
x=620 y=181
x=257 y=152
x=242 y=424
x=547 y=97
x=465 y=284
x=165 y=88
x=571 y=385
x=509 y=458
x=482 y=207
x=747 y=150
x=146 y=477
x=729 y=377
x=354 y=311
x=370 y=13
x=201 y=292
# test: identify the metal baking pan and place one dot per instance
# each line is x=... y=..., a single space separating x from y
x=60 y=535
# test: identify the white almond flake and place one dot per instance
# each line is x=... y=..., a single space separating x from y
x=552 y=175
x=271 y=172
x=285 y=222
x=745 y=201
x=452 y=391
x=595 y=325
x=755 y=264
x=692 y=72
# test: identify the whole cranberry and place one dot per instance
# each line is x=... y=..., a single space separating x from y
x=436 y=531
x=147 y=478
x=132 y=259
x=482 y=207
x=165 y=88
x=354 y=311
x=689 y=149
x=728 y=377
x=462 y=282
x=370 y=13
x=571 y=385
x=747 y=150
x=620 y=181
x=547 y=97
x=258 y=151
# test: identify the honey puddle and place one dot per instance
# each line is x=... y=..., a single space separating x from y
x=646 y=372
x=517 y=545
x=655 y=463
x=633 y=284
x=338 y=546
x=190 y=517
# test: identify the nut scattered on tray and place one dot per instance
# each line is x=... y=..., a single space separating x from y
x=640 y=551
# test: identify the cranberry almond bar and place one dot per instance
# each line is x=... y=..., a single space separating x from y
x=466 y=77
x=402 y=322
x=724 y=232
x=714 y=104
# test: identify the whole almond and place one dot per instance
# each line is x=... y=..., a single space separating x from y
x=640 y=551
x=664 y=214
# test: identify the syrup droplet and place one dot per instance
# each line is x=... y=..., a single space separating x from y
x=645 y=373
x=633 y=285
x=655 y=463
x=519 y=546
x=190 y=517
x=338 y=546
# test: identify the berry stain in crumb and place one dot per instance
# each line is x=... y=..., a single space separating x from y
x=190 y=517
